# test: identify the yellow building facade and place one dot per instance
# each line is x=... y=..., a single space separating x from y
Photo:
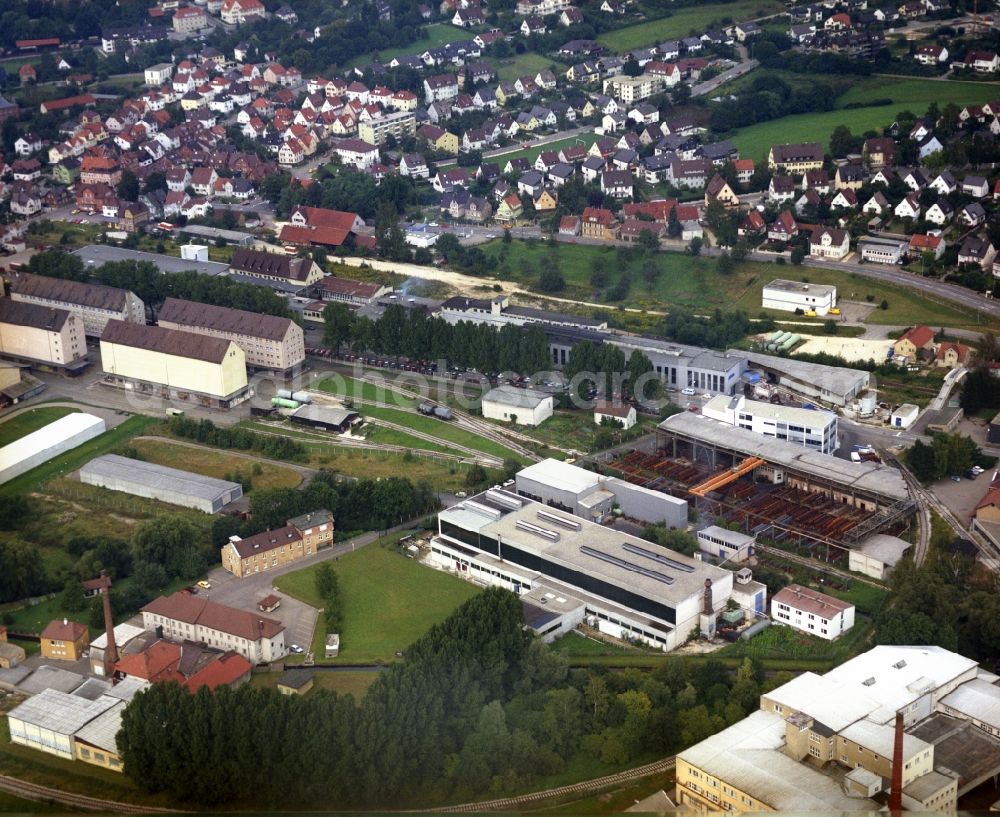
x=170 y=362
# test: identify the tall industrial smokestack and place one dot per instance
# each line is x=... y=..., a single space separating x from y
x=708 y=598
x=896 y=792
x=111 y=651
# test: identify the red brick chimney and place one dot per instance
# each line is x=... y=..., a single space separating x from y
x=111 y=651
x=896 y=791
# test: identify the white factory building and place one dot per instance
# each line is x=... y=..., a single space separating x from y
x=594 y=497
x=810 y=428
x=40 y=446
x=789 y=296
x=569 y=571
x=523 y=407
x=812 y=612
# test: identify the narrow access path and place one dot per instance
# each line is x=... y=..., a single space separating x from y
x=45 y=794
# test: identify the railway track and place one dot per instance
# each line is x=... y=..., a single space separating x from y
x=823 y=567
x=44 y=794
x=584 y=788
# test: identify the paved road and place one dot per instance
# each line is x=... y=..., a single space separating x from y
x=540 y=141
x=737 y=70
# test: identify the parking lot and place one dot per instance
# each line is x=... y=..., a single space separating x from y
x=962 y=497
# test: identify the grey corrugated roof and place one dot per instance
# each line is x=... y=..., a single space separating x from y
x=511 y=396
x=64 y=714
x=157 y=477
x=102 y=730
x=875 y=478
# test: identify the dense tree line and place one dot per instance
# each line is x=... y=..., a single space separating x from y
x=328 y=588
x=153 y=286
x=356 y=505
x=980 y=390
x=949 y=601
x=412 y=334
x=206 y=432
x=346 y=190
x=719 y=331
x=478 y=707
x=769 y=97
x=946 y=455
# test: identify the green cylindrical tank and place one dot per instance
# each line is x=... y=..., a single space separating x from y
x=777 y=333
x=284 y=402
x=789 y=342
x=782 y=337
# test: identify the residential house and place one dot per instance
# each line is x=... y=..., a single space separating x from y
x=952 y=355
x=783 y=228
x=719 y=190
x=617 y=183
x=976 y=251
x=827 y=242
x=940 y=212
x=921 y=243
x=909 y=207
x=598 y=222
x=913 y=342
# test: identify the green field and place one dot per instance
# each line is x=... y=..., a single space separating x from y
x=685 y=22
x=438 y=34
x=391 y=436
x=389 y=601
x=218 y=464
x=913 y=94
x=440 y=429
x=23 y=424
x=527 y=64
x=349 y=388
x=444 y=475
x=695 y=283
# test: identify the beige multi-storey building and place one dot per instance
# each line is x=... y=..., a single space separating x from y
x=633 y=89
x=174 y=364
x=40 y=333
x=94 y=304
x=186 y=617
x=267 y=341
x=398 y=125
x=826 y=742
x=190 y=18
x=271 y=549
x=795 y=159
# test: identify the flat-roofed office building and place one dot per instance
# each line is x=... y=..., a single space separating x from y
x=623 y=585
x=811 y=428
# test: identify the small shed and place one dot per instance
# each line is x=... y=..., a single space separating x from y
x=327 y=418
x=332 y=645
x=904 y=415
x=269 y=603
x=295 y=682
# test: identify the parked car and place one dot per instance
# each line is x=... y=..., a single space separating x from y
x=688 y=391
x=204 y=585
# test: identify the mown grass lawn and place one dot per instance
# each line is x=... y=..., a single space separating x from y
x=389 y=601
x=216 y=464
x=527 y=64
x=696 y=284
x=683 y=22
x=391 y=436
x=23 y=424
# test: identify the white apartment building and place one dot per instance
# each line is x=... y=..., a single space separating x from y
x=633 y=89
x=813 y=429
x=812 y=612
x=791 y=295
x=399 y=125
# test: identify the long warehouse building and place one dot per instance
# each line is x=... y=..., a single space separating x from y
x=868 y=485
x=173 y=364
x=94 y=304
x=40 y=446
x=172 y=485
x=569 y=570
x=268 y=341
